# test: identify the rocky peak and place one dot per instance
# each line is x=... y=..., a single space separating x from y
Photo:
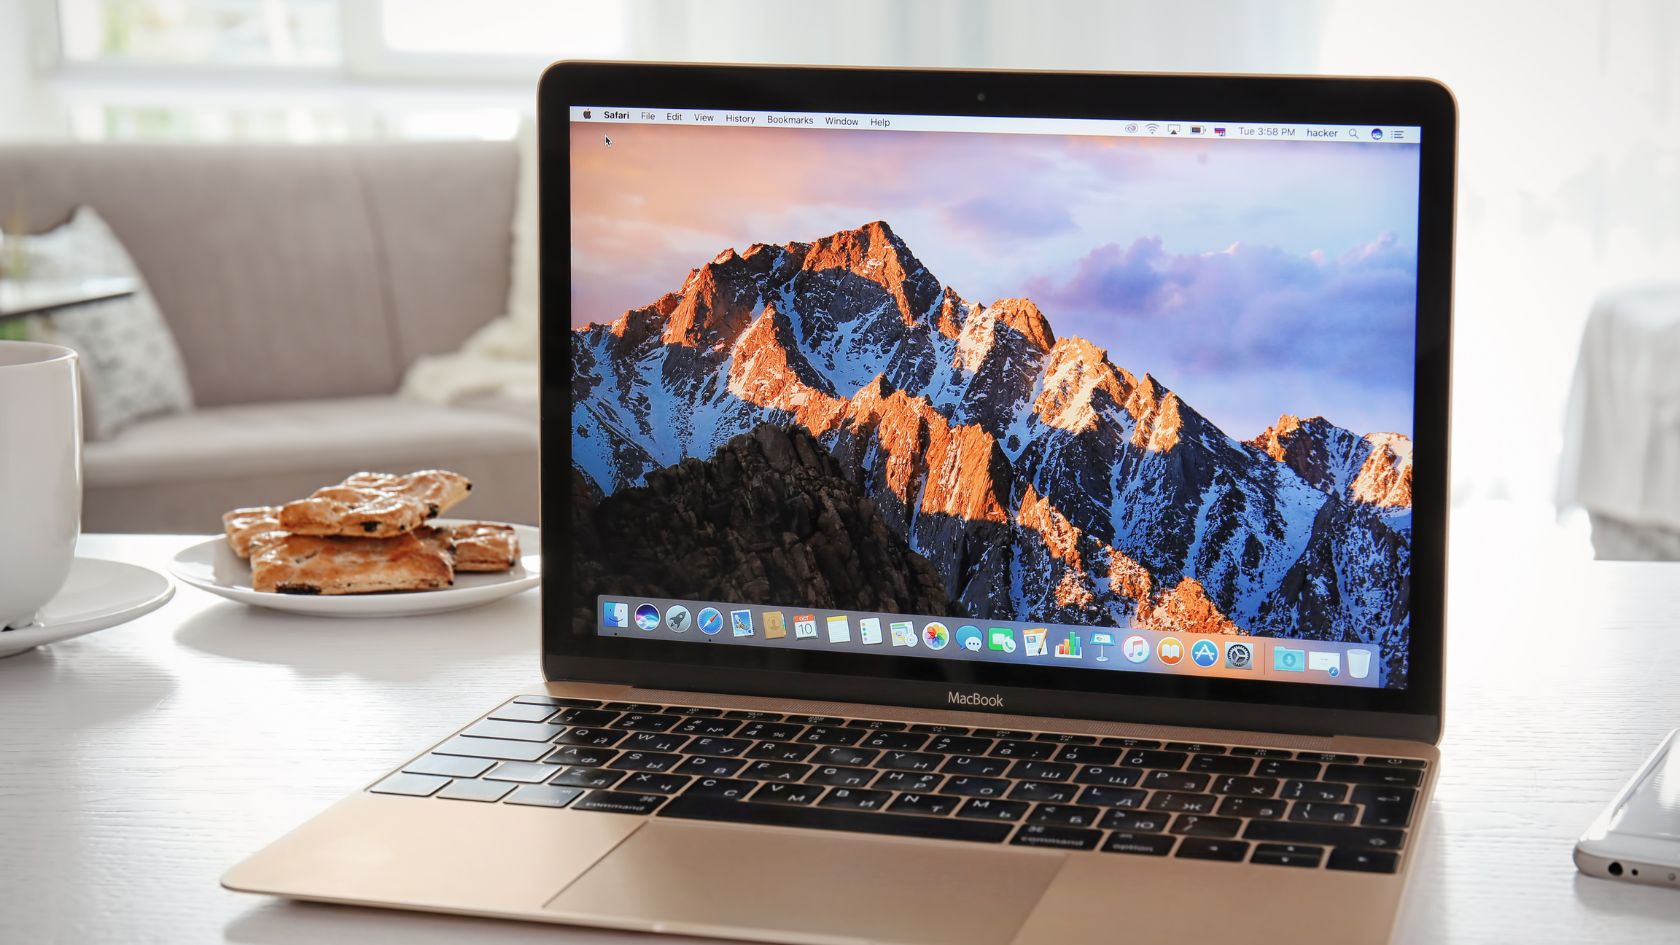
x=1375 y=469
x=1025 y=317
x=1385 y=478
x=718 y=300
x=1075 y=372
x=952 y=314
x=875 y=253
x=1157 y=412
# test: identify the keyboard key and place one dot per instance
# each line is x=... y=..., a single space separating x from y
x=1109 y=776
x=1061 y=838
x=777 y=793
x=591 y=778
x=1009 y=733
x=776 y=771
x=707 y=727
x=1221 y=764
x=1182 y=803
x=769 y=731
x=1113 y=797
x=527 y=772
x=645 y=761
x=1326 y=757
x=1147 y=758
x=1287 y=854
x=693 y=711
x=830 y=735
x=643 y=707
x=976 y=765
x=1204 y=825
x=594 y=718
x=448 y=766
x=1329 y=835
x=653 y=741
x=1382 y=762
x=926 y=729
x=484 y=791
x=1042 y=771
x=991 y=808
x=1367 y=774
x=1313 y=791
x=647 y=722
x=780 y=751
x=1203 y=848
x=543 y=795
x=1135 y=821
x=539 y=700
x=1140 y=844
x=413 y=785
x=1258 y=807
x=648 y=782
x=502 y=749
x=855 y=799
x=1065 y=739
x=1129 y=743
x=1088 y=755
x=931 y=805
x=718 y=747
x=1245 y=787
x=845 y=757
x=909 y=760
x=836 y=776
x=707 y=766
x=753 y=716
x=965 y=786
x=1280 y=769
x=816 y=720
x=1363 y=861
x=827 y=817
x=1385 y=806
x=878 y=725
x=1196 y=747
x=1175 y=781
x=584 y=755
x=1030 y=751
x=595 y=737
x=1049 y=792
x=721 y=787
x=1316 y=813
x=894 y=741
x=960 y=745
x=1065 y=815
x=1263 y=752
x=616 y=802
x=523 y=712
x=919 y=781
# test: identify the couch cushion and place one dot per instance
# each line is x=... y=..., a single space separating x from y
x=292 y=272
x=179 y=473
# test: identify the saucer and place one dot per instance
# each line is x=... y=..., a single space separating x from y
x=98 y=594
x=212 y=566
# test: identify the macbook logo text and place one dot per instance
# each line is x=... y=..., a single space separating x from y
x=974 y=700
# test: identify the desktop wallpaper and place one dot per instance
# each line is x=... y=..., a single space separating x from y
x=1163 y=383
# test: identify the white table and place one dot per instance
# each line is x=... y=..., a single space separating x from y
x=138 y=763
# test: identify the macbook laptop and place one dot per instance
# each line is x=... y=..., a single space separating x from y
x=982 y=508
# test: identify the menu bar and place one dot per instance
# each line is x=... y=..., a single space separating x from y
x=1182 y=129
x=1112 y=648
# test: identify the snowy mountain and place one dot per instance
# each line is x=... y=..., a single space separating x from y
x=1041 y=480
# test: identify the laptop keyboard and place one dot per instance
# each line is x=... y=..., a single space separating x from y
x=1134 y=796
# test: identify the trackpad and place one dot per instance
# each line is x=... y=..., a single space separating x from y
x=709 y=880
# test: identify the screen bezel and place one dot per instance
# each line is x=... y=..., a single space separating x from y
x=1412 y=712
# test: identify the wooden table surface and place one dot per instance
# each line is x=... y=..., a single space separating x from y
x=137 y=763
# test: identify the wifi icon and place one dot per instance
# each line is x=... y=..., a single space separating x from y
x=1151 y=127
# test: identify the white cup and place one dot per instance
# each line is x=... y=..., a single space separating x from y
x=40 y=475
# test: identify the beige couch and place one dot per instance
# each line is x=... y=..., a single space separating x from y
x=300 y=283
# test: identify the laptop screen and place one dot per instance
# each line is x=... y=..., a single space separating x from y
x=1133 y=396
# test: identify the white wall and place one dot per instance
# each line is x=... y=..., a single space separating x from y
x=28 y=105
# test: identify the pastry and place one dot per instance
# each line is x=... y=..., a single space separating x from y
x=485 y=546
x=347 y=511
x=440 y=489
x=307 y=564
x=250 y=529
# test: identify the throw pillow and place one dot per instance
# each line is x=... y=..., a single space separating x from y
x=131 y=366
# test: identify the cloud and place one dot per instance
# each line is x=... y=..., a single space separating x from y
x=1015 y=216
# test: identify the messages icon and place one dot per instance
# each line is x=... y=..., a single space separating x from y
x=968 y=637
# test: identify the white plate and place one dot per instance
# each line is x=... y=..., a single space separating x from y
x=212 y=566
x=98 y=594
